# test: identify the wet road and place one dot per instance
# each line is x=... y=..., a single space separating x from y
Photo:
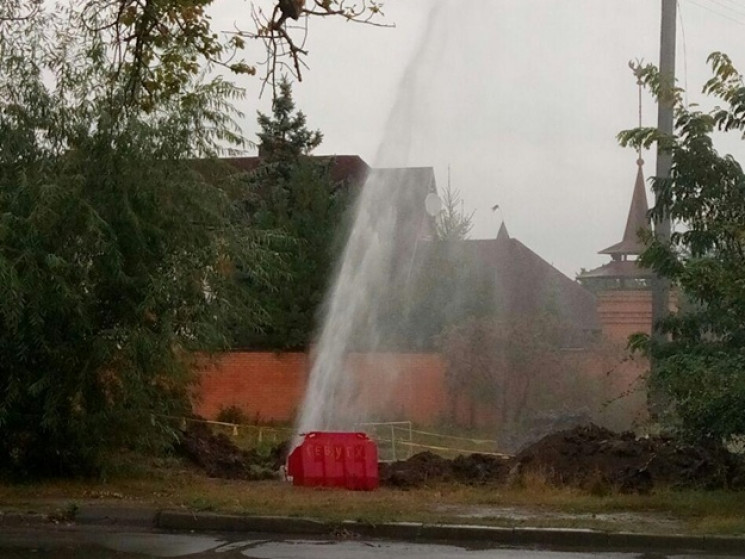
x=97 y=543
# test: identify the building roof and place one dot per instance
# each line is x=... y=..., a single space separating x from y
x=350 y=168
x=618 y=269
x=503 y=234
x=523 y=283
x=405 y=189
x=536 y=285
x=636 y=220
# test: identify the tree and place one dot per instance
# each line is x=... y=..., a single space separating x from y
x=701 y=364
x=453 y=223
x=160 y=46
x=115 y=255
x=293 y=193
x=512 y=366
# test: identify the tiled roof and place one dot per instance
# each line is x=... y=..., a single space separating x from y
x=524 y=283
x=636 y=220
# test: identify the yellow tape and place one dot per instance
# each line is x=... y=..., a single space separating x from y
x=498 y=454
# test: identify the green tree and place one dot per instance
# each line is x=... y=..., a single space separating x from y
x=701 y=364
x=453 y=223
x=293 y=193
x=115 y=255
x=512 y=366
x=158 y=47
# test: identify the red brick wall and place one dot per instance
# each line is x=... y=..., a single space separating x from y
x=390 y=387
x=404 y=386
x=623 y=313
x=267 y=386
x=270 y=386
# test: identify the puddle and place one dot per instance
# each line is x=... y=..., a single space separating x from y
x=640 y=522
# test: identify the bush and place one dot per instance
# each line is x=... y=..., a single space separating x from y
x=233 y=414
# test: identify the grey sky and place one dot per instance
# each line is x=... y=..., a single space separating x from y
x=522 y=98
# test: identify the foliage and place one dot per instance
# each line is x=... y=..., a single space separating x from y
x=506 y=365
x=701 y=364
x=293 y=193
x=232 y=414
x=115 y=255
x=453 y=223
x=159 y=47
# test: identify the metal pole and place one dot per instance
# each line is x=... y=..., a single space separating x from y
x=665 y=106
x=660 y=286
x=393 y=443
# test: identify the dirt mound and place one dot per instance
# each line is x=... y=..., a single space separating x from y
x=480 y=468
x=420 y=469
x=427 y=468
x=589 y=457
x=219 y=457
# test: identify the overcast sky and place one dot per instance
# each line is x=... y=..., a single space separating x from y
x=521 y=98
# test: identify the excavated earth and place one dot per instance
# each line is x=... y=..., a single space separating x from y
x=589 y=457
x=219 y=457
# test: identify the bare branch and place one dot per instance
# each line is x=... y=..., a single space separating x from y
x=12 y=12
x=285 y=52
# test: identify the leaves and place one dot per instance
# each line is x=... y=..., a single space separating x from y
x=701 y=365
x=452 y=222
x=112 y=252
x=294 y=195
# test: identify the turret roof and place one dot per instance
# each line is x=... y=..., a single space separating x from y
x=637 y=220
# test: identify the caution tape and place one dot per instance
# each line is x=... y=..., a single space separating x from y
x=233 y=426
x=450 y=449
x=453 y=437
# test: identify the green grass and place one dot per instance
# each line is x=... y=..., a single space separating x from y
x=171 y=484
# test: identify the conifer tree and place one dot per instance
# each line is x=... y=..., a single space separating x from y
x=293 y=193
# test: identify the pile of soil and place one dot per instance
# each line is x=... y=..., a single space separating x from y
x=219 y=457
x=426 y=468
x=589 y=457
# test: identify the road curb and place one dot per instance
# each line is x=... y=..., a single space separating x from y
x=22 y=519
x=102 y=515
x=212 y=522
x=549 y=538
x=461 y=534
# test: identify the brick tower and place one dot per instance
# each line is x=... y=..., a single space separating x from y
x=622 y=287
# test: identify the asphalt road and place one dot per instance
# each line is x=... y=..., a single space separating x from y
x=99 y=543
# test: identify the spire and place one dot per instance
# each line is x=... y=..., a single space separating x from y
x=503 y=235
x=636 y=220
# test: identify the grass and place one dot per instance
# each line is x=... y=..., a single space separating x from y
x=171 y=484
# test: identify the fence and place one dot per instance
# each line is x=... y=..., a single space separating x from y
x=396 y=440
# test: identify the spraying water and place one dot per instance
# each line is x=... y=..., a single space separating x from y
x=388 y=257
x=378 y=259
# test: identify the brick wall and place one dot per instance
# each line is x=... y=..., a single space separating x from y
x=390 y=387
x=623 y=313
x=270 y=386
x=267 y=386
x=404 y=386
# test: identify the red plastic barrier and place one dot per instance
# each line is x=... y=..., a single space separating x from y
x=331 y=459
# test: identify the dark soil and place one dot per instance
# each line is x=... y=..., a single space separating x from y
x=589 y=457
x=426 y=468
x=593 y=457
x=219 y=457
